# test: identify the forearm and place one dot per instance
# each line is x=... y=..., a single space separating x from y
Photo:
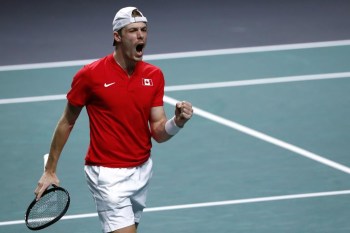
x=159 y=133
x=163 y=129
x=60 y=137
x=49 y=177
x=166 y=130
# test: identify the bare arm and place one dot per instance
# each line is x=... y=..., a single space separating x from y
x=158 y=119
x=157 y=123
x=60 y=137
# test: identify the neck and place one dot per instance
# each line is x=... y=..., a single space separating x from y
x=127 y=65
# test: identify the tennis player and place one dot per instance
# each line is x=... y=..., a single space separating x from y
x=123 y=96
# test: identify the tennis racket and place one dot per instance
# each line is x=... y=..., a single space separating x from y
x=50 y=208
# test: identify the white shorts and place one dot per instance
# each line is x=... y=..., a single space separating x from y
x=119 y=193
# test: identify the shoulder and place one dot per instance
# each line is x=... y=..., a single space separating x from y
x=96 y=67
x=98 y=64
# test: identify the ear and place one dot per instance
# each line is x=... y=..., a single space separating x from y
x=116 y=36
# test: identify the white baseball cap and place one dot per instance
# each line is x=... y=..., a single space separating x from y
x=124 y=17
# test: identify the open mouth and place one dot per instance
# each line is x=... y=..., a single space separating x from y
x=139 y=48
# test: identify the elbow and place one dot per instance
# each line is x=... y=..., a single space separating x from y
x=159 y=134
x=160 y=139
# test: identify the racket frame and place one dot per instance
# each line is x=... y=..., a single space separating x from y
x=54 y=189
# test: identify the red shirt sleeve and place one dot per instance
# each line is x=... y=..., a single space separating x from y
x=78 y=95
x=158 y=100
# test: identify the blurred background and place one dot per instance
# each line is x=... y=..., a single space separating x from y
x=45 y=31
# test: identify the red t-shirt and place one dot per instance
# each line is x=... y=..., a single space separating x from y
x=119 y=108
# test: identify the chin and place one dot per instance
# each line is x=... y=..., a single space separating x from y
x=138 y=58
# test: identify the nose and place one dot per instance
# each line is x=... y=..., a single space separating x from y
x=141 y=33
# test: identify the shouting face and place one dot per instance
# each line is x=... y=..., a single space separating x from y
x=132 y=41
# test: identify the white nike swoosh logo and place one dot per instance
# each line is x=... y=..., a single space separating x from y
x=109 y=84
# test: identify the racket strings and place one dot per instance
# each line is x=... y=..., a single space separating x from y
x=49 y=207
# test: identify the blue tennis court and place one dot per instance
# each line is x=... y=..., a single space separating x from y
x=267 y=149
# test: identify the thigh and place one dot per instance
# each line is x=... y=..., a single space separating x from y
x=138 y=200
x=111 y=187
x=111 y=195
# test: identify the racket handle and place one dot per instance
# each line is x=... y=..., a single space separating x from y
x=46 y=156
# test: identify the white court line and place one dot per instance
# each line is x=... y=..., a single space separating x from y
x=263 y=137
x=202 y=53
x=258 y=81
x=208 y=204
x=201 y=86
x=32 y=99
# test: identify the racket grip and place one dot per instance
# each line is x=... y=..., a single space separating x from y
x=46 y=156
